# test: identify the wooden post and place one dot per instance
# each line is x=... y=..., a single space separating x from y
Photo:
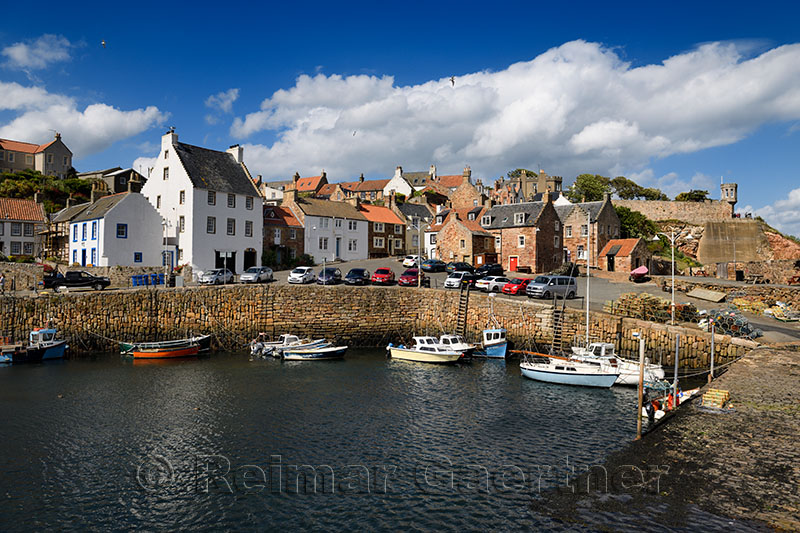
x=675 y=378
x=711 y=373
x=641 y=390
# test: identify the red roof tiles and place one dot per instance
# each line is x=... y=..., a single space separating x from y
x=280 y=216
x=19 y=146
x=626 y=246
x=19 y=209
x=308 y=184
x=377 y=213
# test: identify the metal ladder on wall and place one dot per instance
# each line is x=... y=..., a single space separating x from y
x=557 y=346
x=463 y=305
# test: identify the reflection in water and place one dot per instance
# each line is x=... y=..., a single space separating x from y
x=390 y=444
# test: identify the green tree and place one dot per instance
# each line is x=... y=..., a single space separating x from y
x=634 y=224
x=588 y=188
x=653 y=194
x=518 y=172
x=692 y=196
x=625 y=188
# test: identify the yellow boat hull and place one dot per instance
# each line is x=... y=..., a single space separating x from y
x=423 y=357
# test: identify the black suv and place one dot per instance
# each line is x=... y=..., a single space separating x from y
x=490 y=269
x=357 y=276
x=76 y=278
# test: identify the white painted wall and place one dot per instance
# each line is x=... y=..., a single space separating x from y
x=315 y=227
x=144 y=235
x=429 y=245
x=199 y=246
x=399 y=185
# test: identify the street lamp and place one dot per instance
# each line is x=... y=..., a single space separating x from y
x=672 y=237
x=418 y=227
x=323 y=262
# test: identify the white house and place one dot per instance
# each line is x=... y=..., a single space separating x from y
x=211 y=205
x=398 y=184
x=333 y=230
x=121 y=229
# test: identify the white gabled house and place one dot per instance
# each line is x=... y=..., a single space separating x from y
x=120 y=229
x=211 y=204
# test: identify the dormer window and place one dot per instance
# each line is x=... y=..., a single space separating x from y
x=471 y=216
x=439 y=219
x=486 y=220
x=519 y=219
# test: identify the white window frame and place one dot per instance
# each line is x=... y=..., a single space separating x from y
x=377 y=242
x=520 y=241
x=211 y=225
x=519 y=219
x=212 y=198
x=231 y=200
x=352 y=245
x=323 y=243
x=181 y=224
x=166 y=173
x=398 y=229
x=248 y=202
x=568 y=232
x=182 y=197
x=337 y=222
x=352 y=225
x=379 y=227
x=558 y=225
x=324 y=223
x=292 y=233
x=230 y=226
x=584 y=230
x=248 y=228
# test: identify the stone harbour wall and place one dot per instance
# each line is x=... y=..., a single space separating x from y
x=691 y=212
x=357 y=316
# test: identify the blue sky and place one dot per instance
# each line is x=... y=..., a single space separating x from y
x=672 y=95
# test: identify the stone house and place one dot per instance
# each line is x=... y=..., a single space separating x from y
x=21 y=223
x=529 y=185
x=116 y=179
x=51 y=159
x=310 y=185
x=466 y=195
x=386 y=235
x=331 y=230
x=528 y=235
x=365 y=190
x=283 y=234
x=120 y=229
x=624 y=255
x=596 y=220
x=210 y=204
x=461 y=237
x=416 y=218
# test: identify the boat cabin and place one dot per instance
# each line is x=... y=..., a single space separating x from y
x=494 y=336
x=450 y=340
x=601 y=349
x=38 y=336
x=429 y=344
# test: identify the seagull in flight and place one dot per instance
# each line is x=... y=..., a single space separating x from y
x=103 y=42
x=453 y=81
x=354 y=134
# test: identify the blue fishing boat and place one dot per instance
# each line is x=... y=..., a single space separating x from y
x=494 y=344
x=42 y=345
x=318 y=353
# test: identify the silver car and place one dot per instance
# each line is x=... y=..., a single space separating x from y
x=491 y=283
x=547 y=286
x=256 y=275
x=302 y=275
x=216 y=276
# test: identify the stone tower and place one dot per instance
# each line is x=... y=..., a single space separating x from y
x=728 y=193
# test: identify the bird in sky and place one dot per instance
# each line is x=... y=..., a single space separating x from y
x=354 y=134
x=453 y=81
x=103 y=42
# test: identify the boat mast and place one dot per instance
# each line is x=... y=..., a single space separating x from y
x=588 y=273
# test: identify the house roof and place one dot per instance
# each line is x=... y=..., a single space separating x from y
x=326 y=208
x=451 y=182
x=215 y=171
x=19 y=146
x=280 y=185
x=377 y=213
x=624 y=247
x=21 y=209
x=563 y=211
x=463 y=217
x=327 y=189
x=367 y=185
x=308 y=184
x=417 y=179
x=502 y=216
x=280 y=216
x=68 y=213
x=414 y=210
x=100 y=172
x=593 y=208
x=101 y=207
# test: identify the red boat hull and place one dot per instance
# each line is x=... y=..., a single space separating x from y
x=166 y=353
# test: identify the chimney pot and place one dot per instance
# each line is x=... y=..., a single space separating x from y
x=361 y=178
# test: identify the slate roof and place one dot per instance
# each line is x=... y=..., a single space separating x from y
x=102 y=172
x=463 y=216
x=377 y=213
x=417 y=179
x=325 y=208
x=624 y=247
x=502 y=216
x=214 y=171
x=68 y=213
x=592 y=207
x=414 y=210
x=280 y=185
x=563 y=211
x=280 y=216
x=101 y=207
x=21 y=209
x=554 y=195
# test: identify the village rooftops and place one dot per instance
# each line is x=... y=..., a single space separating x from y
x=377 y=213
x=101 y=207
x=619 y=247
x=69 y=213
x=215 y=171
x=309 y=184
x=506 y=216
x=325 y=208
x=280 y=216
x=21 y=209
x=28 y=148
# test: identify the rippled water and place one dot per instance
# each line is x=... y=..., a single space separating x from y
x=216 y=443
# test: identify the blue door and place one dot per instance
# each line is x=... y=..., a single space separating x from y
x=83 y=257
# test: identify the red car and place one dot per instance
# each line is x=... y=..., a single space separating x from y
x=516 y=286
x=382 y=276
x=409 y=278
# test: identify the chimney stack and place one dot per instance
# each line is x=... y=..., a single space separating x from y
x=398 y=172
x=324 y=175
x=295 y=179
x=432 y=173
x=237 y=152
x=37 y=197
x=360 y=178
x=70 y=201
x=607 y=197
x=392 y=200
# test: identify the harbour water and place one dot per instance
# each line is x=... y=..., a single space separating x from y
x=218 y=442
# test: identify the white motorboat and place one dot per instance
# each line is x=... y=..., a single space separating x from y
x=552 y=369
x=261 y=347
x=424 y=350
x=457 y=343
x=318 y=353
x=628 y=368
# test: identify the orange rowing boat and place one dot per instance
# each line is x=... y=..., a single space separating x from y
x=165 y=353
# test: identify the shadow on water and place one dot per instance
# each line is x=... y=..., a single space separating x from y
x=222 y=441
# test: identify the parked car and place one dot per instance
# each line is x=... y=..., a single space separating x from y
x=75 y=278
x=491 y=283
x=302 y=275
x=411 y=261
x=329 y=276
x=455 y=279
x=409 y=278
x=357 y=276
x=433 y=265
x=490 y=269
x=216 y=276
x=547 y=286
x=256 y=275
x=458 y=266
x=516 y=286
x=383 y=276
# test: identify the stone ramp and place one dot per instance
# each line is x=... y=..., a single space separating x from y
x=720 y=239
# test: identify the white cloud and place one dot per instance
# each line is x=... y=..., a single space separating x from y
x=223 y=101
x=143 y=165
x=784 y=214
x=33 y=55
x=575 y=108
x=672 y=184
x=85 y=132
